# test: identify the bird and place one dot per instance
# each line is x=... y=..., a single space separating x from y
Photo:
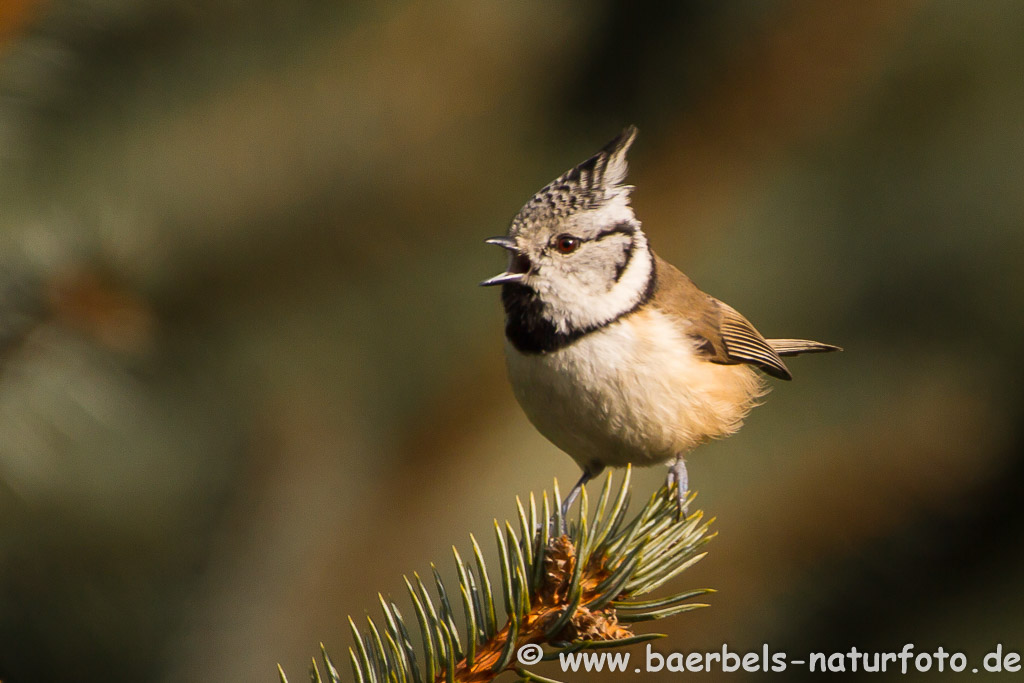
x=616 y=356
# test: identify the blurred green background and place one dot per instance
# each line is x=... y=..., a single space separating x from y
x=247 y=379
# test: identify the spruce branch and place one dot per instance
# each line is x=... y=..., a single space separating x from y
x=568 y=592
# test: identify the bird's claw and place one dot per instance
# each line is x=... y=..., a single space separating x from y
x=678 y=477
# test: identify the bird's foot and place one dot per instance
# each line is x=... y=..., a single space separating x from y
x=563 y=528
x=678 y=476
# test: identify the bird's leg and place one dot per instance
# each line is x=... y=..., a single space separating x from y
x=677 y=475
x=567 y=503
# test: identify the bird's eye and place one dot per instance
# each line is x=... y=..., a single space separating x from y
x=566 y=244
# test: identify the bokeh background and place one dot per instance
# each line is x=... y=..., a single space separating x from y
x=247 y=379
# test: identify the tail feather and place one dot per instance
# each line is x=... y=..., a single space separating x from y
x=794 y=347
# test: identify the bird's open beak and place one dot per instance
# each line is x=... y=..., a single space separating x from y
x=518 y=264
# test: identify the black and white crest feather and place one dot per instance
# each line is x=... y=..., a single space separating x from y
x=590 y=185
x=562 y=296
x=602 y=174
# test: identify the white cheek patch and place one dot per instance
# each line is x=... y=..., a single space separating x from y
x=592 y=297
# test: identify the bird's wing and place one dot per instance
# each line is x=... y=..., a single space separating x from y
x=722 y=334
x=745 y=344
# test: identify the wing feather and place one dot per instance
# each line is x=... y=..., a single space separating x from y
x=720 y=333
x=793 y=347
x=744 y=344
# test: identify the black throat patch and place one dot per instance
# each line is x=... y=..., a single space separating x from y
x=530 y=332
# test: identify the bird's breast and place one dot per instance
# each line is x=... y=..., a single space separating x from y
x=634 y=391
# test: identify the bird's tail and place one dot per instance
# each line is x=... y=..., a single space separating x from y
x=794 y=347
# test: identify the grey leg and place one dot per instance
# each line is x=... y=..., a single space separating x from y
x=567 y=503
x=677 y=475
x=573 y=494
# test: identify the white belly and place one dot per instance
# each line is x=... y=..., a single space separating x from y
x=632 y=392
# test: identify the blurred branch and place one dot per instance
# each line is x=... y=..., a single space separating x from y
x=574 y=591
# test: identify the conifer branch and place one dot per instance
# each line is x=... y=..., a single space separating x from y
x=567 y=592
